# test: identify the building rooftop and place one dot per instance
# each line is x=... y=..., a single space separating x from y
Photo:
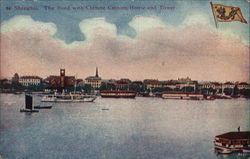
x=137 y=82
x=169 y=83
x=229 y=83
x=216 y=83
x=235 y=135
x=30 y=77
x=93 y=78
x=243 y=83
x=151 y=81
x=122 y=82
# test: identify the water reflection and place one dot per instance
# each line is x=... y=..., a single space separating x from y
x=139 y=128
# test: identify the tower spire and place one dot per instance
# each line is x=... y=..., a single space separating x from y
x=96 y=73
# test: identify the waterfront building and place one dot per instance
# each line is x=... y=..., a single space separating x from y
x=5 y=81
x=216 y=86
x=30 y=80
x=80 y=82
x=54 y=81
x=123 y=83
x=94 y=81
x=206 y=85
x=125 y=80
x=213 y=85
x=110 y=81
x=169 y=84
x=184 y=80
x=183 y=85
x=138 y=84
x=152 y=83
x=15 y=78
x=60 y=81
x=243 y=85
x=228 y=85
x=62 y=78
x=70 y=80
x=180 y=83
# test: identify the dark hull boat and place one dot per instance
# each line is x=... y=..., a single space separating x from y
x=29 y=111
x=28 y=105
x=43 y=107
x=118 y=94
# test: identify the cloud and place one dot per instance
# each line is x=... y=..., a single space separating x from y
x=96 y=26
x=92 y=29
x=141 y=23
x=23 y=23
x=196 y=18
x=159 y=51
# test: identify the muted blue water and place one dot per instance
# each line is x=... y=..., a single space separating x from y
x=141 y=128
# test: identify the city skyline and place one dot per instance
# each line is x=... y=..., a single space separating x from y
x=136 y=44
x=121 y=78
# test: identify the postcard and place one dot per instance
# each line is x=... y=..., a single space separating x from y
x=108 y=79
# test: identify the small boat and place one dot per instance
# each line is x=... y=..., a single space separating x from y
x=105 y=108
x=29 y=105
x=223 y=150
x=209 y=97
x=68 y=98
x=222 y=96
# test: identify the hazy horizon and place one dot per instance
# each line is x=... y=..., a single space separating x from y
x=118 y=78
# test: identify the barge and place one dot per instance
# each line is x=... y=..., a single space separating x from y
x=182 y=95
x=118 y=94
x=233 y=142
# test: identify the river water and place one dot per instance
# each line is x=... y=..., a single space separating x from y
x=141 y=128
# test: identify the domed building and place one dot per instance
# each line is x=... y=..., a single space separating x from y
x=94 y=81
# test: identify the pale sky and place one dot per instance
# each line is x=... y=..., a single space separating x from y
x=149 y=42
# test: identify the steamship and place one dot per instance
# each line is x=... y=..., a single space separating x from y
x=71 y=97
x=67 y=97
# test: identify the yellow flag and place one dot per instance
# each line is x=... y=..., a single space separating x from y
x=227 y=13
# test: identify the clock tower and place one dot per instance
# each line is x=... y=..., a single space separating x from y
x=62 y=78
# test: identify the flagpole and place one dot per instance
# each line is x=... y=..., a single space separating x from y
x=215 y=21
